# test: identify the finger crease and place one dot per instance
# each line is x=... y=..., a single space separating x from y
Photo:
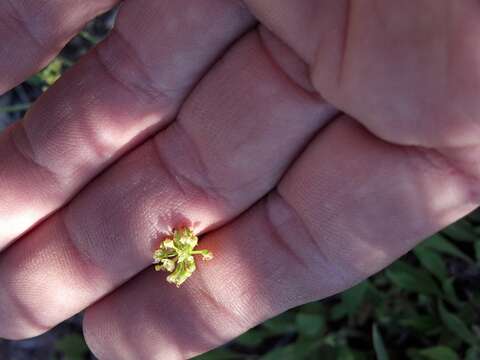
x=223 y=308
x=28 y=154
x=144 y=94
x=303 y=227
x=207 y=188
x=280 y=238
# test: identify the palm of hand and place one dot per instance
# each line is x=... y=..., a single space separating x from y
x=298 y=200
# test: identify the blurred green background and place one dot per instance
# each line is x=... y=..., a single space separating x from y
x=424 y=306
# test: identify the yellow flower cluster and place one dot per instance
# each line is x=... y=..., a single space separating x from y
x=175 y=255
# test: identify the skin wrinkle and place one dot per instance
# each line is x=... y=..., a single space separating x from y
x=19 y=132
x=305 y=88
x=440 y=160
x=93 y=269
x=448 y=50
x=26 y=315
x=148 y=85
x=24 y=24
x=345 y=42
x=188 y=186
x=293 y=85
x=5 y=50
x=207 y=187
x=138 y=91
x=31 y=316
x=472 y=180
x=172 y=175
x=172 y=321
x=100 y=137
x=450 y=42
x=233 y=317
x=325 y=259
x=308 y=248
x=278 y=236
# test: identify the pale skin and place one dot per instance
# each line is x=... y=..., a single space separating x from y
x=309 y=155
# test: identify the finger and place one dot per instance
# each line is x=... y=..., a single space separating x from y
x=349 y=206
x=198 y=172
x=33 y=32
x=119 y=94
x=416 y=65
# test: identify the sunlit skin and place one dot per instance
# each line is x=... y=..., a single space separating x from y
x=310 y=143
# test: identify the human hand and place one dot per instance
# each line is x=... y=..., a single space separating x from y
x=296 y=200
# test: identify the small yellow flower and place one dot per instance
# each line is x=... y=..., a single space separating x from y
x=175 y=255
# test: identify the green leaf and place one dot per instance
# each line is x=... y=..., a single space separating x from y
x=456 y=325
x=220 y=354
x=354 y=298
x=475 y=216
x=412 y=354
x=315 y=307
x=72 y=347
x=439 y=353
x=344 y=353
x=477 y=251
x=378 y=344
x=420 y=323
x=338 y=311
x=287 y=353
x=431 y=261
x=311 y=325
x=300 y=350
x=409 y=278
x=444 y=246
x=281 y=324
x=252 y=338
x=462 y=230
x=450 y=293
x=472 y=354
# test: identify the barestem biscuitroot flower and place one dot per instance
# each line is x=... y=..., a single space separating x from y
x=176 y=255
